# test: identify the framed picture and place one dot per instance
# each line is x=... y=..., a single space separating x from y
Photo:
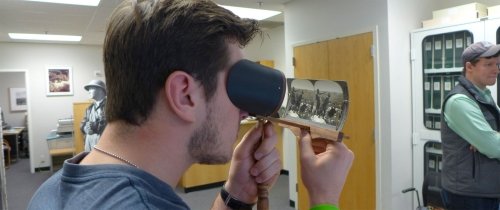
x=17 y=99
x=59 y=81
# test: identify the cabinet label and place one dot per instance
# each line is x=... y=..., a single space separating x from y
x=437 y=125
x=428 y=46
x=447 y=86
x=437 y=86
x=449 y=44
x=438 y=45
x=459 y=43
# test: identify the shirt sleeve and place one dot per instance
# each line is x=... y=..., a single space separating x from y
x=464 y=116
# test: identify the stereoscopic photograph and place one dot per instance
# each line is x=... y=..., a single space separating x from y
x=323 y=102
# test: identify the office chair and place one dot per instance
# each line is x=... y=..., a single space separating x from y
x=431 y=190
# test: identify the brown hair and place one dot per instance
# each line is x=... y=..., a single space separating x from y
x=147 y=40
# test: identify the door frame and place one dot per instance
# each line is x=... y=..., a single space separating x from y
x=28 y=104
x=377 y=106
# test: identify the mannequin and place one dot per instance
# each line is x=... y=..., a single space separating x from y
x=94 y=121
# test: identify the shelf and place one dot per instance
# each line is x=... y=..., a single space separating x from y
x=433 y=111
x=443 y=70
x=434 y=151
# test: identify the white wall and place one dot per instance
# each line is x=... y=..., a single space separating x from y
x=45 y=111
x=403 y=17
x=11 y=79
x=269 y=46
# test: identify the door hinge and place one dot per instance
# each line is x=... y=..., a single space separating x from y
x=293 y=61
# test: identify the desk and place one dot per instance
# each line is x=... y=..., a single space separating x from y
x=15 y=141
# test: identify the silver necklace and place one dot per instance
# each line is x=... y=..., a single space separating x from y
x=115 y=156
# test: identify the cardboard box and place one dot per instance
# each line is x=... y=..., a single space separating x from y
x=467 y=11
x=444 y=22
x=456 y=15
x=494 y=11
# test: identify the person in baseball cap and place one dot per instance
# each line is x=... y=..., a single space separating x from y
x=477 y=50
x=469 y=134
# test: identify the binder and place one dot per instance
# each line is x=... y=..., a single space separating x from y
x=428 y=45
x=437 y=122
x=448 y=50
x=438 y=51
x=428 y=120
x=468 y=39
x=431 y=164
x=436 y=92
x=439 y=163
x=455 y=79
x=447 y=85
x=459 y=48
x=427 y=92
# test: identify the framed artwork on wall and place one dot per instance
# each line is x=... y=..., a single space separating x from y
x=59 y=81
x=17 y=98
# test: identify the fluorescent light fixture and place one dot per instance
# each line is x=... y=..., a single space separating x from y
x=258 y=14
x=45 y=37
x=74 y=2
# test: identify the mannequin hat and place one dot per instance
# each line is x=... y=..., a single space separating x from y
x=95 y=83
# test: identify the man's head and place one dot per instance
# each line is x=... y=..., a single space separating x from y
x=97 y=89
x=148 y=40
x=480 y=63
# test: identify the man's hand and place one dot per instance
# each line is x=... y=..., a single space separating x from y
x=88 y=128
x=255 y=161
x=324 y=174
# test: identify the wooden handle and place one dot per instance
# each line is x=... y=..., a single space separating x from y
x=263 y=195
x=316 y=131
x=262 y=189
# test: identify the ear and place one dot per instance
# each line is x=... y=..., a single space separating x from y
x=182 y=94
x=468 y=66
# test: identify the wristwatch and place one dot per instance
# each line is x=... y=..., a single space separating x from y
x=232 y=202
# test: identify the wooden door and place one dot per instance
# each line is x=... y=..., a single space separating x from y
x=78 y=115
x=311 y=61
x=348 y=59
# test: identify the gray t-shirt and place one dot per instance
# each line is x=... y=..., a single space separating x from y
x=104 y=187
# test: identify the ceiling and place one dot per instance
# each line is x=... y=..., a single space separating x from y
x=19 y=16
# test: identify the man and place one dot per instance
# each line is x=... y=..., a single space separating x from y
x=470 y=138
x=166 y=63
x=94 y=121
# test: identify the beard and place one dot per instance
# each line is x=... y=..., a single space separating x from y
x=205 y=145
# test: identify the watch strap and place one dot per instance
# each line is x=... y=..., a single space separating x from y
x=232 y=202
